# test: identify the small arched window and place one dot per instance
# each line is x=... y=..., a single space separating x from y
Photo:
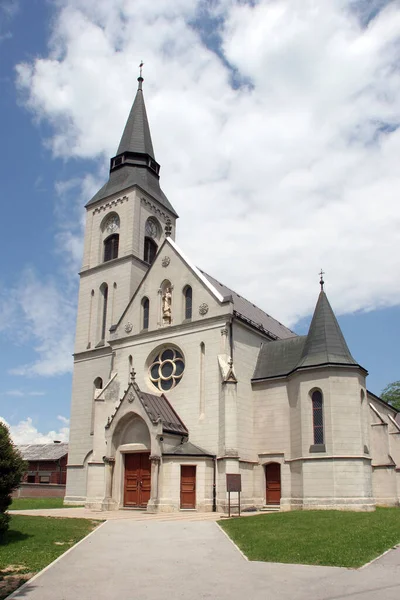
x=188 y=294
x=150 y=250
x=98 y=383
x=318 y=417
x=111 y=247
x=145 y=313
x=104 y=291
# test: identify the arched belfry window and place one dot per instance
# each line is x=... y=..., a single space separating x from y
x=111 y=247
x=150 y=250
x=145 y=313
x=188 y=296
x=318 y=417
x=104 y=292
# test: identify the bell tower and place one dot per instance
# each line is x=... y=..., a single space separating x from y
x=125 y=226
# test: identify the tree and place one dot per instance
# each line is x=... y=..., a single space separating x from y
x=391 y=394
x=12 y=468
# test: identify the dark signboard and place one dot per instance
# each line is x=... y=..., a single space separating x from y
x=233 y=482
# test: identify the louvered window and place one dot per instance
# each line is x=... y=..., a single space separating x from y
x=318 y=418
x=150 y=250
x=111 y=247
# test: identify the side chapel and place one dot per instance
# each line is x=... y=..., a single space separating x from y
x=178 y=380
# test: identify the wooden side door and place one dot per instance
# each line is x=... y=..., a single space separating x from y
x=145 y=479
x=188 y=486
x=273 y=483
x=132 y=480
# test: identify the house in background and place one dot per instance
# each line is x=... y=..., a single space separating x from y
x=47 y=470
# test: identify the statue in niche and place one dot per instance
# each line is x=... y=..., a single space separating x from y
x=166 y=306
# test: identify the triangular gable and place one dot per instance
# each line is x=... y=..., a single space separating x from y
x=192 y=268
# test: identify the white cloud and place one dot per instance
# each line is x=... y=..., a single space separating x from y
x=294 y=171
x=25 y=432
x=21 y=393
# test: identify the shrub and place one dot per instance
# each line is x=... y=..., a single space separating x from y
x=12 y=468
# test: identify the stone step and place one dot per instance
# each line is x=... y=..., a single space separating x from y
x=271 y=508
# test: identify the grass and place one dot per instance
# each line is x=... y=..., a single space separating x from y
x=331 y=538
x=33 y=503
x=31 y=543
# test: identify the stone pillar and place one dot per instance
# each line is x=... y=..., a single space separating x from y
x=152 y=505
x=108 y=503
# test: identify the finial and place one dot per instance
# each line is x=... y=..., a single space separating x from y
x=230 y=362
x=168 y=227
x=133 y=375
x=321 y=279
x=140 y=78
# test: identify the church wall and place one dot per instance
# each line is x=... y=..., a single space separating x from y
x=246 y=347
x=271 y=417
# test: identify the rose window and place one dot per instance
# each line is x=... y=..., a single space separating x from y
x=167 y=369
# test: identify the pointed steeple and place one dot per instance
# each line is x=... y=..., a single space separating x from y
x=135 y=163
x=325 y=343
x=136 y=136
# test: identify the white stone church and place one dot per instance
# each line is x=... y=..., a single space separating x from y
x=179 y=381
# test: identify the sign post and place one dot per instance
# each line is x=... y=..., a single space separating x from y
x=233 y=484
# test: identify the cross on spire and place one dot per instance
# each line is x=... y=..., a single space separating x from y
x=140 y=78
x=321 y=279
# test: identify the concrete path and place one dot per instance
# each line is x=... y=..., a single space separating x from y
x=112 y=515
x=129 y=560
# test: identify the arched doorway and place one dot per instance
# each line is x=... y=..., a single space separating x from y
x=273 y=483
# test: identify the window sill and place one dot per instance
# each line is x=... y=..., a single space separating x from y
x=317 y=448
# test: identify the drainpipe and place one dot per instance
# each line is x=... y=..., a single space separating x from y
x=231 y=338
x=214 y=505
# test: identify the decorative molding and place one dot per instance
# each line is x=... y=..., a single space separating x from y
x=128 y=327
x=203 y=309
x=110 y=204
x=165 y=261
x=154 y=208
x=109 y=460
x=130 y=397
x=154 y=458
x=224 y=331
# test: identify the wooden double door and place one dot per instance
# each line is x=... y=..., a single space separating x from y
x=273 y=483
x=137 y=488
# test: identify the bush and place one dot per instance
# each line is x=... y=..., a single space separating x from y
x=12 y=468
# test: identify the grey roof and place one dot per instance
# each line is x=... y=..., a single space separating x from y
x=279 y=358
x=136 y=136
x=325 y=343
x=188 y=449
x=158 y=407
x=50 y=451
x=249 y=312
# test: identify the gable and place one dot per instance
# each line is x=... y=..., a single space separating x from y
x=171 y=270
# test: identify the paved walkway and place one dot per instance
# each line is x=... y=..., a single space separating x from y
x=113 y=515
x=131 y=559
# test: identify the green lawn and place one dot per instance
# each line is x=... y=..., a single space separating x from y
x=332 y=538
x=33 y=542
x=31 y=503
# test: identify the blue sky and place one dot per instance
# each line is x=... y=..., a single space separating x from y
x=283 y=146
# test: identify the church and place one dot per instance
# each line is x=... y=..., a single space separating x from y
x=179 y=381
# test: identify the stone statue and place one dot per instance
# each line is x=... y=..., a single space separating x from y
x=166 y=305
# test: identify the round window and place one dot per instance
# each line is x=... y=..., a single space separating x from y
x=167 y=368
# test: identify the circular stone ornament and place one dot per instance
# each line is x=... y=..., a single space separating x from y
x=203 y=309
x=165 y=261
x=128 y=327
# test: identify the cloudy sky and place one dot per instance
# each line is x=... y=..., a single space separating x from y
x=276 y=124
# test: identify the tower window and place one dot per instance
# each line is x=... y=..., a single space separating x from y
x=146 y=309
x=187 y=293
x=318 y=417
x=111 y=247
x=150 y=250
x=104 y=292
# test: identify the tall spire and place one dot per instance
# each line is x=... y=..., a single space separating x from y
x=136 y=136
x=135 y=163
x=325 y=343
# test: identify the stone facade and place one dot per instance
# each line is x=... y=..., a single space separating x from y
x=178 y=378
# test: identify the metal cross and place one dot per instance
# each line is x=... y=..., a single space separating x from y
x=141 y=67
x=321 y=279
